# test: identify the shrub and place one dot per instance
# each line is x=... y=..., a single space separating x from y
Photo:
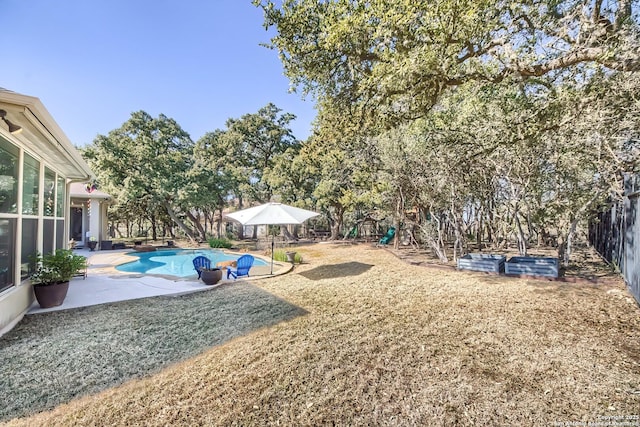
x=281 y=255
x=219 y=243
x=57 y=267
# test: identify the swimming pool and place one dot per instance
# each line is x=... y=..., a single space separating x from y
x=175 y=263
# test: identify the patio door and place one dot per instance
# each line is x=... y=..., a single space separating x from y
x=75 y=230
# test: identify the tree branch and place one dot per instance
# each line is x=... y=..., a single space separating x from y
x=595 y=14
x=623 y=13
x=589 y=54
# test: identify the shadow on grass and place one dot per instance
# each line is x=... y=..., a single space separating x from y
x=336 y=270
x=49 y=359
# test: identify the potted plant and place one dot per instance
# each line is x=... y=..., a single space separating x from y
x=211 y=276
x=291 y=256
x=92 y=243
x=52 y=274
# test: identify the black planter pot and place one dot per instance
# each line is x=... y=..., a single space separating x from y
x=92 y=245
x=211 y=277
x=51 y=295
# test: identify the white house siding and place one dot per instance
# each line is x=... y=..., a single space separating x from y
x=37 y=167
x=94 y=204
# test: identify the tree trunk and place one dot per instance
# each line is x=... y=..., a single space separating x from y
x=287 y=235
x=565 y=241
x=439 y=251
x=219 y=225
x=530 y=226
x=522 y=243
x=117 y=231
x=336 y=223
x=168 y=228
x=398 y=218
x=438 y=244
x=154 y=230
x=190 y=234
x=410 y=230
x=479 y=233
x=335 y=230
x=240 y=227
x=460 y=239
x=211 y=218
x=197 y=225
x=459 y=245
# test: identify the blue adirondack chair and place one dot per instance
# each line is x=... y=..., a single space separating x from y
x=242 y=268
x=200 y=262
x=387 y=237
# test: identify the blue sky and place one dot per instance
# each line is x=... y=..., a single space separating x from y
x=94 y=62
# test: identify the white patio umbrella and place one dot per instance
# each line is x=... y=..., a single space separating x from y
x=271 y=214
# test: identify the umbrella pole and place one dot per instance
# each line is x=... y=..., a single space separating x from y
x=272 y=246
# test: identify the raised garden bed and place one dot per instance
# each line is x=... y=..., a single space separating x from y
x=532 y=266
x=482 y=262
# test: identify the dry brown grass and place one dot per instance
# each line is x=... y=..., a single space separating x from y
x=389 y=343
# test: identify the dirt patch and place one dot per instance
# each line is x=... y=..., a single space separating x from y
x=585 y=266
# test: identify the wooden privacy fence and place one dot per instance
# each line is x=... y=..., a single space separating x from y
x=616 y=235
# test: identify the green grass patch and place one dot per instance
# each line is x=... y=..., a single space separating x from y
x=281 y=255
x=220 y=243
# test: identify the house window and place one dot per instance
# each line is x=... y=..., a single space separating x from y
x=43 y=201
x=49 y=192
x=48 y=227
x=9 y=155
x=30 y=185
x=29 y=245
x=7 y=230
x=60 y=234
x=60 y=199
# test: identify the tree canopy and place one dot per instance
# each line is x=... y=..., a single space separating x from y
x=498 y=120
x=157 y=173
x=395 y=59
x=144 y=164
x=459 y=122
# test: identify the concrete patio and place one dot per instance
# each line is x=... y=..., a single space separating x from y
x=105 y=284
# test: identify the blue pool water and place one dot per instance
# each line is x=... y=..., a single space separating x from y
x=175 y=263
